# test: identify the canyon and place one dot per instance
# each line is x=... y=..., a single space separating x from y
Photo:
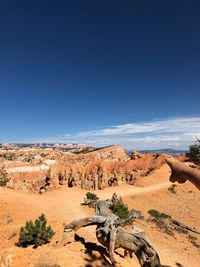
x=55 y=182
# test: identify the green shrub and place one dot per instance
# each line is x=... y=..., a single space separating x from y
x=161 y=220
x=3 y=182
x=37 y=233
x=119 y=207
x=158 y=215
x=90 y=199
x=194 y=153
x=91 y=196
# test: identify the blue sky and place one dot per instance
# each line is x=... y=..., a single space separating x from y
x=100 y=72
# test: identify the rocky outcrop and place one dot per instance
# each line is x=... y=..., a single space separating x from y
x=27 y=182
x=114 y=153
x=99 y=174
x=106 y=167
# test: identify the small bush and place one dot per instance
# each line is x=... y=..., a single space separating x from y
x=3 y=182
x=172 y=188
x=193 y=240
x=159 y=215
x=119 y=207
x=90 y=199
x=3 y=177
x=91 y=196
x=35 y=233
x=161 y=220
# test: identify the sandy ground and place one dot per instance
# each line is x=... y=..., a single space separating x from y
x=63 y=205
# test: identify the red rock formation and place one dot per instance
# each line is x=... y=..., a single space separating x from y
x=102 y=169
x=114 y=152
x=109 y=166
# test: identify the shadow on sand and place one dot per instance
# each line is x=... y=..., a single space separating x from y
x=101 y=259
x=177 y=264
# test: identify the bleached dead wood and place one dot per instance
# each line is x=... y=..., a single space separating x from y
x=112 y=235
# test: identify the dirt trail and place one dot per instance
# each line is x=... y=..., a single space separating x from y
x=66 y=202
x=64 y=205
x=127 y=190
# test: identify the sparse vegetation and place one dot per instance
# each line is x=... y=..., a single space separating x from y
x=9 y=155
x=29 y=158
x=90 y=199
x=37 y=233
x=3 y=176
x=181 y=230
x=119 y=207
x=158 y=215
x=91 y=196
x=167 y=224
x=9 y=219
x=193 y=240
x=3 y=182
x=161 y=220
x=194 y=153
x=172 y=188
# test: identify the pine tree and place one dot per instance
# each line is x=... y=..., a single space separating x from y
x=194 y=153
x=35 y=234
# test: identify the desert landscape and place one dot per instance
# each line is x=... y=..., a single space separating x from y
x=54 y=182
x=99 y=133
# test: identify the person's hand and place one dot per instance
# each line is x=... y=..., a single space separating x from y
x=181 y=173
x=177 y=175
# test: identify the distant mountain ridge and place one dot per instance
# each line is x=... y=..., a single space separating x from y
x=84 y=146
x=165 y=150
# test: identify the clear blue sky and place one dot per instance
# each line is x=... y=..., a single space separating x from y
x=70 y=70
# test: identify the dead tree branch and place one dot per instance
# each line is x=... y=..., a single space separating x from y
x=112 y=235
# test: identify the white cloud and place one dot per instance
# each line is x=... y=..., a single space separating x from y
x=177 y=133
x=162 y=126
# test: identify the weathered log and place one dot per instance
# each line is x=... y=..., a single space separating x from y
x=76 y=224
x=88 y=221
x=111 y=235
